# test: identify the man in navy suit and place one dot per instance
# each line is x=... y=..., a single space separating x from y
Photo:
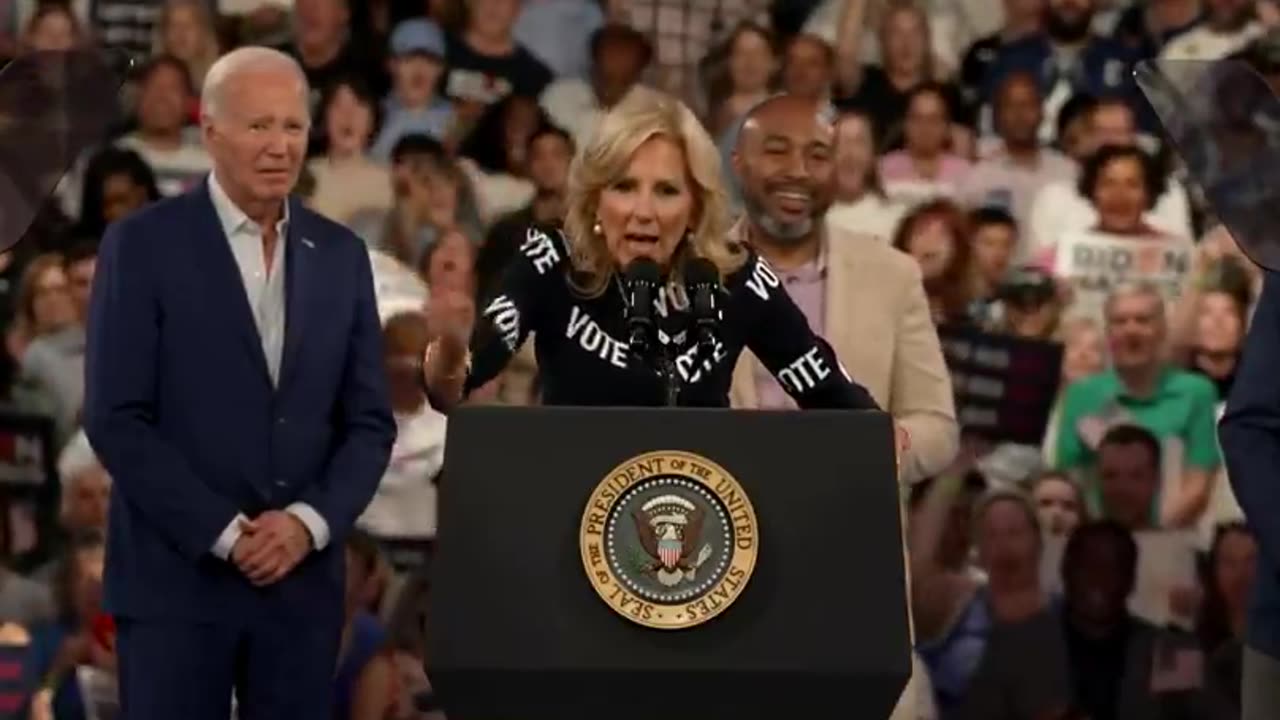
x=236 y=393
x=1250 y=436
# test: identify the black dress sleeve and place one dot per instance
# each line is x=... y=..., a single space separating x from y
x=777 y=332
x=518 y=304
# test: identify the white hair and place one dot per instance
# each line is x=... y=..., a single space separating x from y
x=253 y=58
x=1141 y=288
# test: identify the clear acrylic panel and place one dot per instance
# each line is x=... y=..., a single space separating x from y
x=1222 y=118
x=53 y=106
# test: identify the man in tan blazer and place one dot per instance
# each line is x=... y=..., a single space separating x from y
x=865 y=297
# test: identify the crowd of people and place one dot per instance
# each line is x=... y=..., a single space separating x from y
x=993 y=173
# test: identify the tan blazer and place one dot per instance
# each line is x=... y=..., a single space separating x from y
x=878 y=323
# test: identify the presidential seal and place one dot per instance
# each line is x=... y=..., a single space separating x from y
x=669 y=539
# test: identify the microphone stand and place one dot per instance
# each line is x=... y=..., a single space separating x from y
x=648 y=352
x=658 y=359
x=670 y=379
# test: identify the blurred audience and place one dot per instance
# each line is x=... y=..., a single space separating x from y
x=619 y=56
x=413 y=107
x=348 y=180
x=936 y=235
x=165 y=138
x=861 y=204
x=1142 y=388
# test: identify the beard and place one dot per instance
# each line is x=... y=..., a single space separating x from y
x=781 y=231
x=1067 y=28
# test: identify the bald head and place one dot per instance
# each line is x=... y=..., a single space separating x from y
x=786 y=108
x=785 y=160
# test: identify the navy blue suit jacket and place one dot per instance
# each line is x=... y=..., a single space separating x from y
x=1250 y=437
x=181 y=409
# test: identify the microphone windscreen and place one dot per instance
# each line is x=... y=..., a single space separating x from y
x=643 y=270
x=701 y=271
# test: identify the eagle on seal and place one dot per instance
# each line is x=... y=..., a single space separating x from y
x=669 y=527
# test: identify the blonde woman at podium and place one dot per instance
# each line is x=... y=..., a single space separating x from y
x=642 y=299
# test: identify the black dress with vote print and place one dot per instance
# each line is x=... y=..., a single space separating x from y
x=581 y=343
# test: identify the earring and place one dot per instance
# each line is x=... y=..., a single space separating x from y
x=596 y=229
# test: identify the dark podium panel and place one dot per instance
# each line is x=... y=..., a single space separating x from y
x=516 y=630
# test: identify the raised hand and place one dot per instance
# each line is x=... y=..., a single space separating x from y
x=450 y=317
x=271 y=546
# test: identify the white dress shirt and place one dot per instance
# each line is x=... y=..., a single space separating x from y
x=264 y=287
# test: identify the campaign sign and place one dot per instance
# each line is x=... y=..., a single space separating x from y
x=1096 y=263
x=1005 y=386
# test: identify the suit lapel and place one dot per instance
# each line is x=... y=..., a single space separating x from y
x=841 y=276
x=221 y=275
x=300 y=260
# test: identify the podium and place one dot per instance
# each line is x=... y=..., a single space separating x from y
x=693 y=564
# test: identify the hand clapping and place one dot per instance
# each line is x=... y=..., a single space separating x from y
x=270 y=547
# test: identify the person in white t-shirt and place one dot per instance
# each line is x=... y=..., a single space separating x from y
x=402 y=514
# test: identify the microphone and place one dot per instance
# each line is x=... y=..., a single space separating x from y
x=702 y=279
x=640 y=282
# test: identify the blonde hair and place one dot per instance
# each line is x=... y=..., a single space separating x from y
x=643 y=115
